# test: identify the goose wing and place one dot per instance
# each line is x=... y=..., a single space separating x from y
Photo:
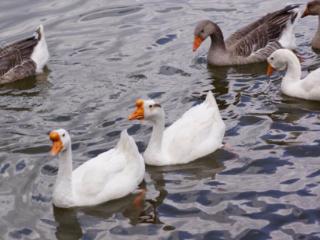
x=90 y=178
x=15 y=54
x=23 y=69
x=107 y=175
x=259 y=34
x=197 y=133
x=311 y=83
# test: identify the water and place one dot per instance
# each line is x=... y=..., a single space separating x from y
x=104 y=55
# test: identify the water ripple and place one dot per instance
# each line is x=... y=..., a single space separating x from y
x=263 y=183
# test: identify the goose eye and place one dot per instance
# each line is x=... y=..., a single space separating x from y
x=150 y=106
x=271 y=58
x=63 y=135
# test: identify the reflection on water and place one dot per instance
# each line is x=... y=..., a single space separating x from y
x=68 y=224
x=71 y=221
x=264 y=182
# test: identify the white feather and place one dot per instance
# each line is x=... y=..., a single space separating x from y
x=40 y=54
x=110 y=175
x=288 y=39
x=292 y=84
x=197 y=133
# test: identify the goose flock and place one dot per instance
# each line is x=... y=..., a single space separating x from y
x=198 y=132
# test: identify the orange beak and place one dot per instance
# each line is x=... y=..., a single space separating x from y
x=57 y=144
x=270 y=70
x=305 y=13
x=138 y=114
x=196 y=43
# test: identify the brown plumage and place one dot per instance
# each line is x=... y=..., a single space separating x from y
x=313 y=9
x=252 y=43
x=16 y=59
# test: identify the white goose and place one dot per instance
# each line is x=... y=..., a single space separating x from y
x=292 y=84
x=197 y=133
x=110 y=175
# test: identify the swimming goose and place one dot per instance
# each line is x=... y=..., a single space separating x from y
x=110 y=175
x=197 y=133
x=291 y=85
x=24 y=58
x=313 y=8
x=252 y=43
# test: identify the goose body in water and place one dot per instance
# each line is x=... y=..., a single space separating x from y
x=252 y=43
x=292 y=84
x=196 y=134
x=110 y=175
x=24 y=58
x=313 y=9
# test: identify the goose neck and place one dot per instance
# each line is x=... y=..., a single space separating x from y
x=217 y=40
x=316 y=39
x=65 y=169
x=155 y=142
x=293 y=69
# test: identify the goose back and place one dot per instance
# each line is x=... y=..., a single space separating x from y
x=258 y=35
x=14 y=54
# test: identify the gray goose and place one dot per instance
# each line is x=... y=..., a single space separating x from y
x=313 y=9
x=252 y=43
x=24 y=58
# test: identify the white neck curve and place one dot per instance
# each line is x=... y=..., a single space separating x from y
x=155 y=143
x=293 y=73
x=63 y=186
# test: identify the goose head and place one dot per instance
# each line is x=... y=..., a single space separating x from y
x=312 y=8
x=278 y=60
x=205 y=29
x=60 y=141
x=147 y=110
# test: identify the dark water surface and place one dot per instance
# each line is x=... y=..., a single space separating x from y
x=104 y=55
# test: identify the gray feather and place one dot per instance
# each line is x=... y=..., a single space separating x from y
x=251 y=44
x=258 y=35
x=15 y=62
x=25 y=69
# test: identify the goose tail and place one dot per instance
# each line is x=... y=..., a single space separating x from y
x=39 y=33
x=287 y=38
x=40 y=54
x=127 y=145
x=210 y=100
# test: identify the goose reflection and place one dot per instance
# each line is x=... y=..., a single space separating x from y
x=225 y=78
x=68 y=225
x=68 y=221
x=206 y=167
x=140 y=208
x=221 y=73
x=39 y=80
